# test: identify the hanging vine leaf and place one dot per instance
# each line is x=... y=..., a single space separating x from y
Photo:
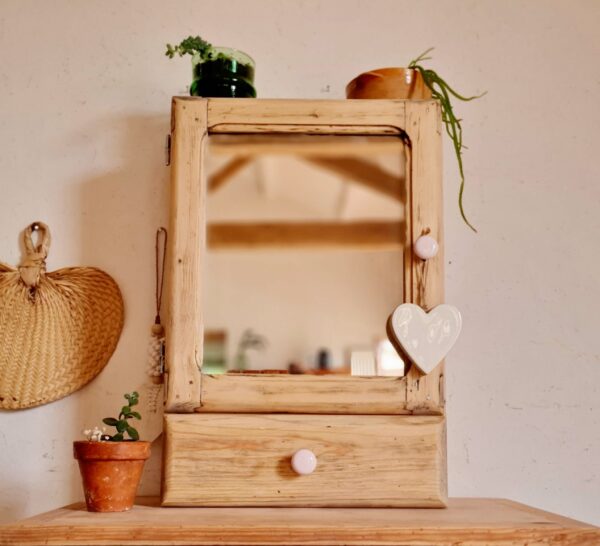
x=441 y=91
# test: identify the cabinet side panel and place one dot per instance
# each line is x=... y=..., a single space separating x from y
x=426 y=284
x=424 y=129
x=186 y=244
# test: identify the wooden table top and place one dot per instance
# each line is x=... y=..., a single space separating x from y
x=466 y=522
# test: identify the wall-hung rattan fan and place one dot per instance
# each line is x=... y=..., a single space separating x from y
x=57 y=330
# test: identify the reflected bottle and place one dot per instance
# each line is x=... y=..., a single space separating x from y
x=323 y=360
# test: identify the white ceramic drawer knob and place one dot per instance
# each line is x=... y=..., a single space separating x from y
x=304 y=462
x=426 y=247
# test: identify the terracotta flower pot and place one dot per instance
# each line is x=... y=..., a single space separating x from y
x=111 y=473
x=388 y=83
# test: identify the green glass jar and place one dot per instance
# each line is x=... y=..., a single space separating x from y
x=226 y=73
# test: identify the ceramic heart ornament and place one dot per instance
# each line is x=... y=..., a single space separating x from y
x=426 y=338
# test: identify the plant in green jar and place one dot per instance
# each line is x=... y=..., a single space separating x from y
x=216 y=71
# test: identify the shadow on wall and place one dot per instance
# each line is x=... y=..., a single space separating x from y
x=119 y=214
x=14 y=505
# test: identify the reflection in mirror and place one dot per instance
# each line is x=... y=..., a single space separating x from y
x=305 y=237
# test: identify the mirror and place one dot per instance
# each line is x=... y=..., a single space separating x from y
x=304 y=258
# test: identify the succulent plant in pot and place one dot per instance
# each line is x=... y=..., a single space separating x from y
x=111 y=465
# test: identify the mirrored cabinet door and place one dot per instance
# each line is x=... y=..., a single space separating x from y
x=305 y=249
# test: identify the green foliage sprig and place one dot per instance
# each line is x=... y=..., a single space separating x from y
x=441 y=91
x=192 y=45
x=122 y=423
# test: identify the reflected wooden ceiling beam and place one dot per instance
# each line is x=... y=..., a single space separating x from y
x=367 y=235
x=364 y=172
x=224 y=174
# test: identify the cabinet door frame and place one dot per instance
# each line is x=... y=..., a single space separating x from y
x=193 y=119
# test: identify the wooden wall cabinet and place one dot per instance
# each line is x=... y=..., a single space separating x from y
x=380 y=441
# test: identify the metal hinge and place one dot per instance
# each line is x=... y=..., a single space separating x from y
x=168 y=150
x=161 y=357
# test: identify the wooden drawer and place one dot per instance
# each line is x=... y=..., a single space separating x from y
x=362 y=460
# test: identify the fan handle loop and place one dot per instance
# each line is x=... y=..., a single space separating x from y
x=34 y=263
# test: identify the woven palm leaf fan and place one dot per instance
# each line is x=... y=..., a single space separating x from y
x=57 y=330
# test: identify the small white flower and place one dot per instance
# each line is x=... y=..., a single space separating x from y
x=94 y=435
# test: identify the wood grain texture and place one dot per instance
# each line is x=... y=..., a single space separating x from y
x=365 y=235
x=330 y=129
x=303 y=394
x=300 y=112
x=466 y=522
x=186 y=243
x=425 y=279
x=363 y=460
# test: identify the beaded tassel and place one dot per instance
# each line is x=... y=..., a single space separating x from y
x=156 y=347
x=156 y=350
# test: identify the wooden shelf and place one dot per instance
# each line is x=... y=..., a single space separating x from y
x=467 y=522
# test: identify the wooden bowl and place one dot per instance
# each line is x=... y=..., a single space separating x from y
x=388 y=83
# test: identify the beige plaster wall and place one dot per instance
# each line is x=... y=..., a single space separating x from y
x=84 y=102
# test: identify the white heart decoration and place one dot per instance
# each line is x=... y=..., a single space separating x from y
x=426 y=338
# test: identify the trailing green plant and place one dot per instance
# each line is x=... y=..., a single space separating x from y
x=441 y=91
x=192 y=45
x=122 y=422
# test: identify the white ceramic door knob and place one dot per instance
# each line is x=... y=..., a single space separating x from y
x=426 y=247
x=304 y=462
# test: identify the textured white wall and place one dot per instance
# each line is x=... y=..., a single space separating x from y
x=84 y=102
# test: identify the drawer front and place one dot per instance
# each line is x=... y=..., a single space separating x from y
x=362 y=460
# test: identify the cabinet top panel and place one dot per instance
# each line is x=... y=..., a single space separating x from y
x=301 y=115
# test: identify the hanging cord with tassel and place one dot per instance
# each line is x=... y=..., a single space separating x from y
x=156 y=353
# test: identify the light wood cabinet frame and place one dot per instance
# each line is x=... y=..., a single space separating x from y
x=193 y=120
